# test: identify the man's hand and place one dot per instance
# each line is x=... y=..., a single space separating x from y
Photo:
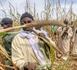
x=42 y=35
x=30 y=66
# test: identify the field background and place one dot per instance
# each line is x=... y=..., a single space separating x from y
x=47 y=14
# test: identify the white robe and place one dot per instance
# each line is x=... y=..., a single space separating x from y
x=21 y=52
x=64 y=43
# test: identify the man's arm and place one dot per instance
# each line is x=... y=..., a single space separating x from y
x=17 y=55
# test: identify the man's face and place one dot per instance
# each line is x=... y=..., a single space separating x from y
x=6 y=25
x=26 y=20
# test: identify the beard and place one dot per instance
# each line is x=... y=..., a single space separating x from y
x=27 y=29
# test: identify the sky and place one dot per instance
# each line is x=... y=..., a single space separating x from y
x=20 y=4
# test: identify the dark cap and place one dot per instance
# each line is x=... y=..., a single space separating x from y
x=6 y=21
x=26 y=14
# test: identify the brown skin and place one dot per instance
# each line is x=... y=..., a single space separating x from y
x=6 y=25
x=26 y=20
x=31 y=66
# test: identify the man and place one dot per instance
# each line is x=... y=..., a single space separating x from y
x=25 y=46
x=7 y=38
x=6 y=22
x=65 y=34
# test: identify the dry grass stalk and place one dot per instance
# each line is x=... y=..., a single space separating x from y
x=1 y=52
x=4 y=55
x=6 y=66
x=39 y=23
x=1 y=68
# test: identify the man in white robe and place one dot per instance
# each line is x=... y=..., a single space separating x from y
x=65 y=34
x=26 y=50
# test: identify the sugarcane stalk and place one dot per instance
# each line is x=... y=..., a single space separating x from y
x=39 y=23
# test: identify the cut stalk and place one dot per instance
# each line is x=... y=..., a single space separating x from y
x=39 y=23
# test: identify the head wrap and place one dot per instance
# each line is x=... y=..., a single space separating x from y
x=26 y=14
